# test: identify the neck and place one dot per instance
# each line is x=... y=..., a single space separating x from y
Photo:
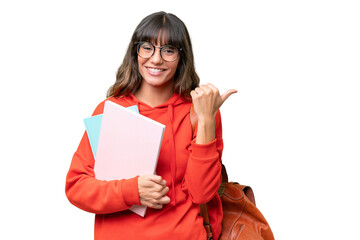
x=154 y=96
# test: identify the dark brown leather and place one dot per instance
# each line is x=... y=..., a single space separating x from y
x=206 y=221
x=242 y=220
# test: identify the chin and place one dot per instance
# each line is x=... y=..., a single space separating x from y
x=156 y=82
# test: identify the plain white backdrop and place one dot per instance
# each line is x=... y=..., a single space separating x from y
x=292 y=131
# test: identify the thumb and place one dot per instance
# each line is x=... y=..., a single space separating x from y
x=227 y=94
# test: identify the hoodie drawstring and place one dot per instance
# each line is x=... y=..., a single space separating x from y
x=172 y=156
x=138 y=105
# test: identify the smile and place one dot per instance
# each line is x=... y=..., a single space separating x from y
x=155 y=70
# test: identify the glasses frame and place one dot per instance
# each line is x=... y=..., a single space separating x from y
x=138 y=44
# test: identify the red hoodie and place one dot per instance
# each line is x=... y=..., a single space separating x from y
x=192 y=172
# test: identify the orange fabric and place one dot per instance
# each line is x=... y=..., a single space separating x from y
x=192 y=172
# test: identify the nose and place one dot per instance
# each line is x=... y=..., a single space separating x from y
x=156 y=57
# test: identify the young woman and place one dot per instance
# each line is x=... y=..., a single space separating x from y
x=158 y=75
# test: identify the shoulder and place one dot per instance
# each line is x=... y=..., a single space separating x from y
x=99 y=108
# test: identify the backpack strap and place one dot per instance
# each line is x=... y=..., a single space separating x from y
x=206 y=221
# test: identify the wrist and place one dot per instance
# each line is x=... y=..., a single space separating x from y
x=206 y=130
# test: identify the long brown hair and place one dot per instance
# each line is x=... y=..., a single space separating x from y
x=128 y=78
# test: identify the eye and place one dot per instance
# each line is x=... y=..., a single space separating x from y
x=147 y=47
x=169 y=50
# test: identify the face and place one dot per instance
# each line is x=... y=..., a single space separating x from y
x=156 y=72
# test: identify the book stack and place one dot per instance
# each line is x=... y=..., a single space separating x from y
x=124 y=143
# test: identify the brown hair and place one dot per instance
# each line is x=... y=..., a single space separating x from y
x=128 y=78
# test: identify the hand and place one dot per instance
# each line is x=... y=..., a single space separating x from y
x=207 y=100
x=152 y=190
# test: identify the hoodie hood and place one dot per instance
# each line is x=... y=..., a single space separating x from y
x=174 y=100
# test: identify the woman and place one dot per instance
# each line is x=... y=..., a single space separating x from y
x=158 y=75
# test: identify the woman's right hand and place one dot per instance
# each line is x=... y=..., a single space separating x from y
x=152 y=190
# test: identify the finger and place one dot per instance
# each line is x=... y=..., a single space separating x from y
x=198 y=90
x=155 y=197
x=159 y=189
x=164 y=200
x=213 y=88
x=145 y=181
x=206 y=88
x=159 y=200
x=157 y=179
x=227 y=94
x=156 y=206
x=164 y=191
x=210 y=85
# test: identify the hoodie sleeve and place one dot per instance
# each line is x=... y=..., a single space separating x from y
x=203 y=173
x=92 y=195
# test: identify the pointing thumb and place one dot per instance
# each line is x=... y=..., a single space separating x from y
x=227 y=94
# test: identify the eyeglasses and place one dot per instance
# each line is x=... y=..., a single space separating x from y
x=168 y=53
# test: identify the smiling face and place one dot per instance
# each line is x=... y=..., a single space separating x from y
x=159 y=29
x=156 y=72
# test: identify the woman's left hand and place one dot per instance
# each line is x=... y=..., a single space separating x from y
x=207 y=100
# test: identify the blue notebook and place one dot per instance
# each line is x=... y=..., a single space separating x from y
x=93 y=126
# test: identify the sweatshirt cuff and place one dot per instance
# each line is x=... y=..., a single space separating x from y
x=130 y=191
x=207 y=150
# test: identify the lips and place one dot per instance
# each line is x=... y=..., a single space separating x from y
x=155 y=71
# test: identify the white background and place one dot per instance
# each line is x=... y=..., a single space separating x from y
x=292 y=132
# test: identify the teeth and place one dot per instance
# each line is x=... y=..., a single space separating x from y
x=156 y=70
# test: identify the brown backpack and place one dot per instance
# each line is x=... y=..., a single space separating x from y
x=242 y=220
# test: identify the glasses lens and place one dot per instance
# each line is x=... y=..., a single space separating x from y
x=169 y=53
x=145 y=50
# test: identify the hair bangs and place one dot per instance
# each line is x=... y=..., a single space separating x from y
x=148 y=32
x=172 y=34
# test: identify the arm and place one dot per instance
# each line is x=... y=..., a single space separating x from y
x=92 y=195
x=203 y=175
